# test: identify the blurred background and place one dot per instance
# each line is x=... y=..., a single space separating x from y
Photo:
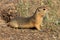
x=26 y=8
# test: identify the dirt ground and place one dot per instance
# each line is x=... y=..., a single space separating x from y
x=52 y=32
x=7 y=33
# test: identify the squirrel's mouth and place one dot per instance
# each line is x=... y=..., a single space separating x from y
x=42 y=15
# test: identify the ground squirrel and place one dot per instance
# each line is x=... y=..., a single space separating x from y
x=30 y=22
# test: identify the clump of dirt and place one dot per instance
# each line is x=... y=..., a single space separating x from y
x=8 y=11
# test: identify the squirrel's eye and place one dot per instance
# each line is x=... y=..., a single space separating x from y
x=43 y=9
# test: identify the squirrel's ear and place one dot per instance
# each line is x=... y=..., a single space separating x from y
x=38 y=9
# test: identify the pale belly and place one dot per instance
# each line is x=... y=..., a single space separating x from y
x=29 y=25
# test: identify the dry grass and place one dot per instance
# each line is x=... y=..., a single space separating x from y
x=27 y=8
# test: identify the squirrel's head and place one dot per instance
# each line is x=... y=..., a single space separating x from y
x=42 y=10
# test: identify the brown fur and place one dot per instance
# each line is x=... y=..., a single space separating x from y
x=33 y=21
